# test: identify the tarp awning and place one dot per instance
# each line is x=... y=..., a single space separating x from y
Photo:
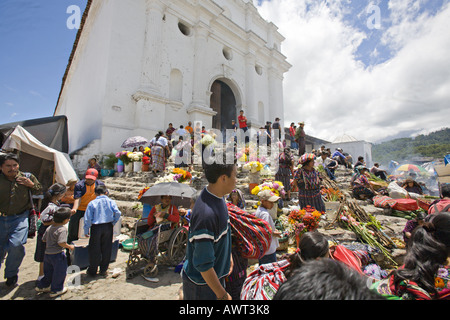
x=20 y=139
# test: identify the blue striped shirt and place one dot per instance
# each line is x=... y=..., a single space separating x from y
x=209 y=240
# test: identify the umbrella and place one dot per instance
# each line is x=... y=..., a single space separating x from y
x=134 y=142
x=411 y=167
x=181 y=193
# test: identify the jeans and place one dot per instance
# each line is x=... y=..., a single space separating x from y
x=13 y=237
x=192 y=291
x=55 y=271
x=100 y=247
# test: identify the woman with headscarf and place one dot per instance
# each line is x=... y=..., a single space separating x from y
x=362 y=189
x=237 y=198
x=308 y=181
x=285 y=170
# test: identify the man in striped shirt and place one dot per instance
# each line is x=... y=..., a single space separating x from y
x=208 y=254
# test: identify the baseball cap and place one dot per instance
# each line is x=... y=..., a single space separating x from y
x=268 y=195
x=91 y=174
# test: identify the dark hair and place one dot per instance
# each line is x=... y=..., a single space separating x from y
x=54 y=190
x=61 y=214
x=427 y=250
x=360 y=158
x=326 y=279
x=9 y=156
x=312 y=245
x=445 y=190
x=214 y=170
x=101 y=189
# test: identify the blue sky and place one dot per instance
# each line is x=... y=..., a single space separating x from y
x=35 y=48
x=347 y=77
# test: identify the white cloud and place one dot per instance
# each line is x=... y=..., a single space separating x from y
x=335 y=93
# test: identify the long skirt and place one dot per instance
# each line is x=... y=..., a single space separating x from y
x=311 y=197
x=284 y=176
x=158 y=158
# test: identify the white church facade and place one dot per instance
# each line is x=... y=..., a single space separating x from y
x=138 y=65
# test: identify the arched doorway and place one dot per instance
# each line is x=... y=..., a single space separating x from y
x=223 y=102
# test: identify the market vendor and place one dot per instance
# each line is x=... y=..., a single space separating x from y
x=163 y=213
x=412 y=186
x=362 y=188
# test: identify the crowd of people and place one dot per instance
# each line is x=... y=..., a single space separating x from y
x=213 y=268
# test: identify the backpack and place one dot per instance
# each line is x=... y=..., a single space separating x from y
x=253 y=235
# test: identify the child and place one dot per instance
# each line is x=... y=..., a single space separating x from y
x=55 y=261
x=101 y=215
x=268 y=198
x=52 y=198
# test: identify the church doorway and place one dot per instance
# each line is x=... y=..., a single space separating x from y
x=223 y=102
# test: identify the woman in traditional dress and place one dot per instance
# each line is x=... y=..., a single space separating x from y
x=425 y=274
x=285 y=170
x=308 y=181
x=159 y=145
x=362 y=188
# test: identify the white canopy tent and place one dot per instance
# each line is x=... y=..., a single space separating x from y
x=20 y=139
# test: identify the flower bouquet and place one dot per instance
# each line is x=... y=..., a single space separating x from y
x=274 y=186
x=253 y=166
x=301 y=221
x=141 y=193
x=147 y=151
x=181 y=175
x=330 y=194
x=135 y=156
x=123 y=156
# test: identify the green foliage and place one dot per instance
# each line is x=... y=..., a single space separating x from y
x=109 y=160
x=436 y=145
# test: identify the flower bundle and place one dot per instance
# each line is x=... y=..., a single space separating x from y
x=364 y=231
x=123 y=156
x=141 y=193
x=147 y=151
x=181 y=175
x=145 y=160
x=299 y=222
x=135 y=156
x=253 y=166
x=330 y=194
x=274 y=186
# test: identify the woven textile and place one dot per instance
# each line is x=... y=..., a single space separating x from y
x=253 y=235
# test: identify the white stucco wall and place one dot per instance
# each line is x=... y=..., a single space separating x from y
x=108 y=94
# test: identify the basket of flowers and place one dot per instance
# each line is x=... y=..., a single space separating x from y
x=181 y=176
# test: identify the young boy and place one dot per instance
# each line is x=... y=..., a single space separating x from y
x=55 y=261
x=208 y=253
x=268 y=199
x=100 y=217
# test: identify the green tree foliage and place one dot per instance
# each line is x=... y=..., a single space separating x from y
x=436 y=145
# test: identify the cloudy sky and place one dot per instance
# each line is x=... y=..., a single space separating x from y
x=370 y=69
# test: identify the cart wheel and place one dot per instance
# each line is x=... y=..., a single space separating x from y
x=151 y=270
x=133 y=260
x=177 y=246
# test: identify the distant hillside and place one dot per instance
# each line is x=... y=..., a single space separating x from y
x=435 y=145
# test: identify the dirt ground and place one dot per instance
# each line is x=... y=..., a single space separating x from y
x=98 y=288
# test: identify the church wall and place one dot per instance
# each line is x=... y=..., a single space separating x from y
x=82 y=102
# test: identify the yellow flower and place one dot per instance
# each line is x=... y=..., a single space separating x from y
x=255 y=190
